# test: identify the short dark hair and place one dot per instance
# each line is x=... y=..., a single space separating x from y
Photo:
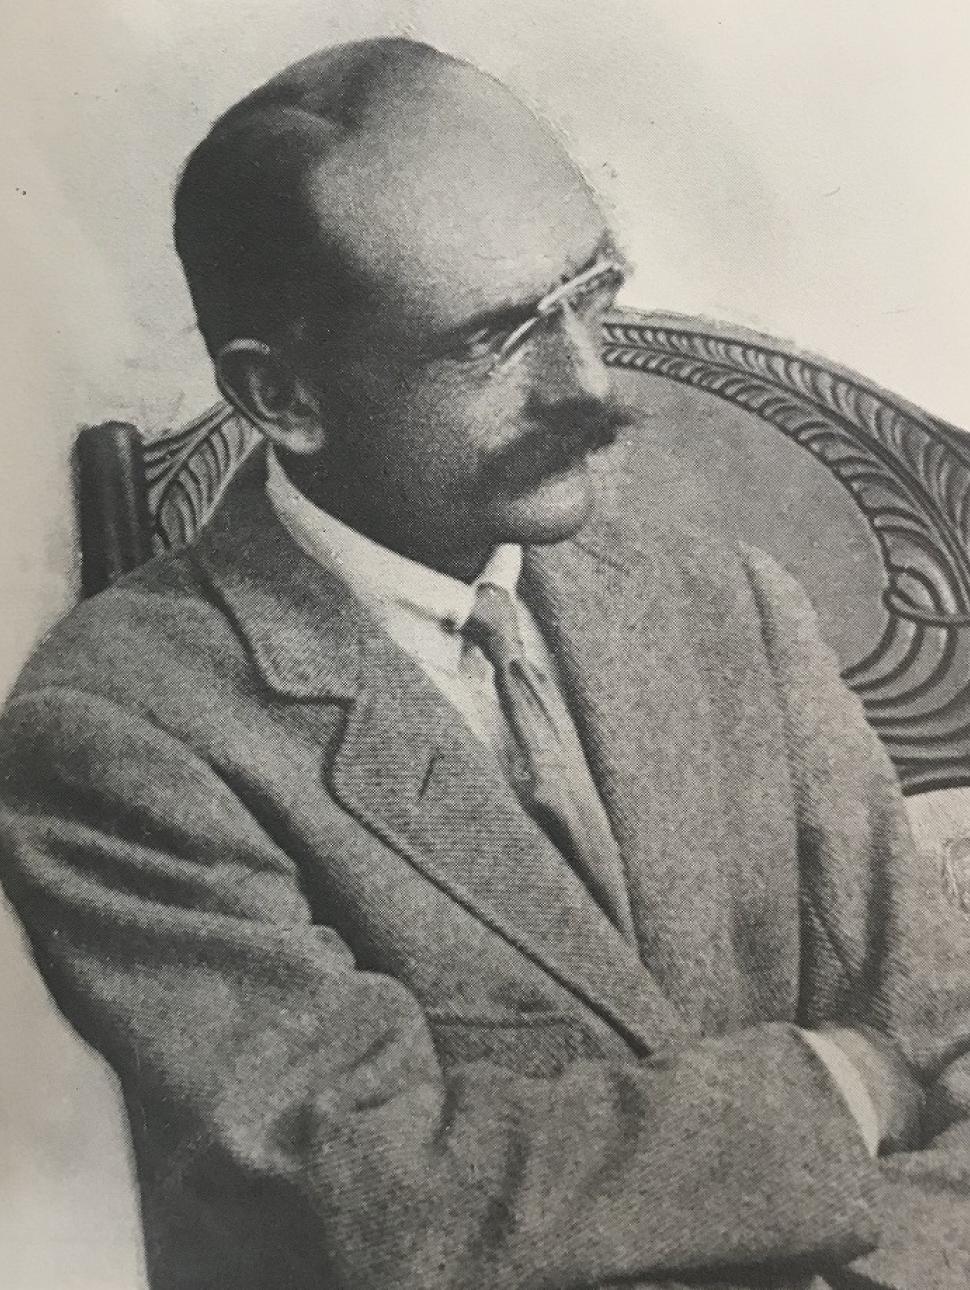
x=251 y=247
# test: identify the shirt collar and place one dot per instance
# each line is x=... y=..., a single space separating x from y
x=385 y=580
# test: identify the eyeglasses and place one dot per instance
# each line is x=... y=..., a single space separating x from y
x=494 y=346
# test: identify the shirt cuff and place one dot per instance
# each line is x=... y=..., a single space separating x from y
x=850 y=1084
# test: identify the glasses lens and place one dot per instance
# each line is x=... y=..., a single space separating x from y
x=588 y=292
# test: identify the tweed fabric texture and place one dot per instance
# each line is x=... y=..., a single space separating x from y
x=373 y=1032
x=545 y=761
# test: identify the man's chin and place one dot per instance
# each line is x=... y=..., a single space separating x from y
x=555 y=509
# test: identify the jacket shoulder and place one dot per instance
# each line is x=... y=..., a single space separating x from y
x=157 y=622
x=690 y=557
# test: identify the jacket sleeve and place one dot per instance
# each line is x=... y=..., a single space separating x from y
x=884 y=943
x=292 y=1119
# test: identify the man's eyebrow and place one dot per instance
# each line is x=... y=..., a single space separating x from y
x=511 y=313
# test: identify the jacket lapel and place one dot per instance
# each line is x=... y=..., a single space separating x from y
x=637 y=711
x=579 y=593
x=411 y=772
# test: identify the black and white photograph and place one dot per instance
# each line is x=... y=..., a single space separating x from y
x=485 y=676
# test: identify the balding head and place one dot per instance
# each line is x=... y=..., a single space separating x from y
x=370 y=166
x=360 y=236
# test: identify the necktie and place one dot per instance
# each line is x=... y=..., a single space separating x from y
x=547 y=769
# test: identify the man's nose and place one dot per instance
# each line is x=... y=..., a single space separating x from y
x=569 y=358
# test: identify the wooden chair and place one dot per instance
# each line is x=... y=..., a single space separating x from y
x=862 y=496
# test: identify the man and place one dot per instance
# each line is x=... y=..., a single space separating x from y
x=473 y=883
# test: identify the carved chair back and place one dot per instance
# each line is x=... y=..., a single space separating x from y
x=863 y=496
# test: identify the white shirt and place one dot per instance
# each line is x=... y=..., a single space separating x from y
x=424 y=611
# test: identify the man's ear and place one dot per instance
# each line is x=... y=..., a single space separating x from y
x=262 y=385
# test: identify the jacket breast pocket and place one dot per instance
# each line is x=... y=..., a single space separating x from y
x=538 y=1045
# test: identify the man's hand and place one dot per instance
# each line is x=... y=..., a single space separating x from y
x=896 y=1094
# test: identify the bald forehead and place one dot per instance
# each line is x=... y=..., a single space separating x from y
x=447 y=196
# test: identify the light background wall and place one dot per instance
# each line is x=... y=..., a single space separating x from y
x=799 y=166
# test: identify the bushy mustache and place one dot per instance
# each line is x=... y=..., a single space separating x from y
x=561 y=436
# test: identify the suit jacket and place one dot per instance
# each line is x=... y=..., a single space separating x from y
x=371 y=1028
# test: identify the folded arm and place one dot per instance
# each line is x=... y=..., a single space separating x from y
x=885 y=945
